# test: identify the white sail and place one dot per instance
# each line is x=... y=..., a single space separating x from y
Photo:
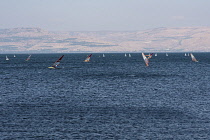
x=193 y=58
x=156 y=54
x=145 y=59
x=166 y=54
x=129 y=55
x=103 y=55
x=125 y=55
x=7 y=58
x=14 y=56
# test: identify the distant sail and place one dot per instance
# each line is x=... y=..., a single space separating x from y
x=145 y=59
x=7 y=58
x=193 y=57
x=29 y=57
x=103 y=55
x=57 y=62
x=185 y=54
x=14 y=56
x=125 y=55
x=166 y=54
x=156 y=54
x=88 y=58
x=129 y=55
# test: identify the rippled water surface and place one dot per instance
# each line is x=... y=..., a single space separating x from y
x=115 y=97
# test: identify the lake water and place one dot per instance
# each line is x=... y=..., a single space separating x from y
x=114 y=97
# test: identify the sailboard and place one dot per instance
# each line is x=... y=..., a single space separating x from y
x=7 y=58
x=54 y=66
x=193 y=58
x=146 y=60
x=88 y=58
x=149 y=55
x=29 y=57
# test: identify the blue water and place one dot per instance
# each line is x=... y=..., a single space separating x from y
x=115 y=97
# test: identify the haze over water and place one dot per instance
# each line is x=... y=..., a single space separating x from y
x=111 y=97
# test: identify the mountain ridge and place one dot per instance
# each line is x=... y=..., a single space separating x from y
x=37 y=40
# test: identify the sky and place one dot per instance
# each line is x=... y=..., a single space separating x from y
x=103 y=15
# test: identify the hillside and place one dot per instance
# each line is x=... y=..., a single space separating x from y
x=36 y=40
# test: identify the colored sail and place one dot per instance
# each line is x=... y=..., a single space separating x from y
x=149 y=55
x=29 y=57
x=88 y=58
x=193 y=58
x=145 y=59
x=57 y=62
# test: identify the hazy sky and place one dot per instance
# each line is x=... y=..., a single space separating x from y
x=97 y=15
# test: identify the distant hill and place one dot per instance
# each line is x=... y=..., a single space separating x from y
x=36 y=40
